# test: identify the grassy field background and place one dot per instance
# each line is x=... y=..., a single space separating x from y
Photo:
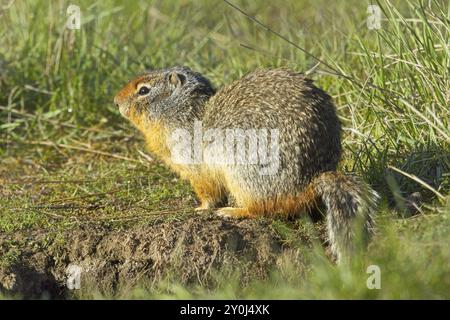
x=66 y=155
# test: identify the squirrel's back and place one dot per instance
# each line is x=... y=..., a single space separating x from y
x=304 y=115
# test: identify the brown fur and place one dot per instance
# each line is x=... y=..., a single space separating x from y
x=310 y=146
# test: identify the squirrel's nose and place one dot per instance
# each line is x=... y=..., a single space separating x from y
x=116 y=101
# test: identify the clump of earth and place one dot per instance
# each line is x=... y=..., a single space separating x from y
x=108 y=260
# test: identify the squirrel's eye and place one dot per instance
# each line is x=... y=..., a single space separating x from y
x=143 y=91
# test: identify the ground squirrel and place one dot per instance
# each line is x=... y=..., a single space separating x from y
x=304 y=141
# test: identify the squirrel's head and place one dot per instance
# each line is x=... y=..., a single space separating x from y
x=175 y=96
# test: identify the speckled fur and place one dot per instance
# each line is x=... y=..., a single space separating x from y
x=309 y=140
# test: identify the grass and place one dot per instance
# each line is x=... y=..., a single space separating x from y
x=66 y=154
x=403 y=258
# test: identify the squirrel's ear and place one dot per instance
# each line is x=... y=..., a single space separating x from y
x=176 y=79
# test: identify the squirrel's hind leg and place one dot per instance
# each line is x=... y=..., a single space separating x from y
x=244 y=209
x=230 y=212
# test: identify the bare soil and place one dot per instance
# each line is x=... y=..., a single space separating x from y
x=114 y=259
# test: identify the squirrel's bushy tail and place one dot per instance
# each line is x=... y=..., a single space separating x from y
x=350 y=204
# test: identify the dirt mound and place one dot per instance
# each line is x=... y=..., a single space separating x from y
x=107 y=259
